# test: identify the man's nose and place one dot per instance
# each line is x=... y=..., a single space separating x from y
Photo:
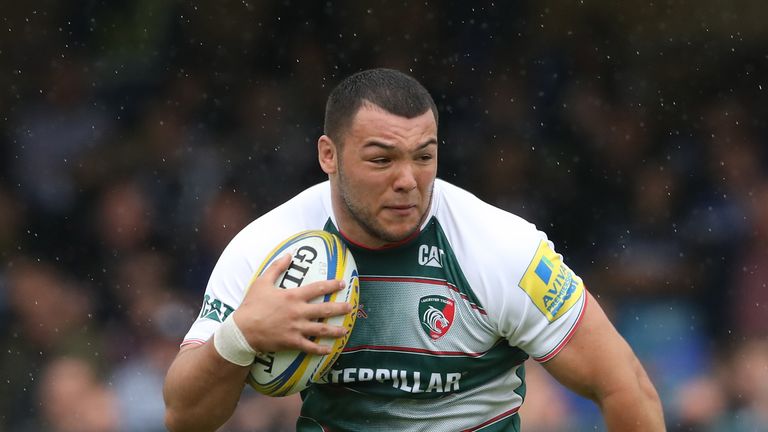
x=405 y=178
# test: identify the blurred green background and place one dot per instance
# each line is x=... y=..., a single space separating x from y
x=137 y=137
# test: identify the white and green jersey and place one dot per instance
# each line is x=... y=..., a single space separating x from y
x=446 y=319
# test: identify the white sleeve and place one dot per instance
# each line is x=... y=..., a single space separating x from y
x=225 y=290
x=545 y=304
x=242 y=258
x=532 y=298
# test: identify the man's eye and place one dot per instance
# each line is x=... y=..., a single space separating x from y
x=380 y=161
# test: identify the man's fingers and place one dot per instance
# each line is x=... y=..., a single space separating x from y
x=278 y=266
x=319 y=288
x=325 y=310
x=300 y=337
x=310 y=347
x=324 y=330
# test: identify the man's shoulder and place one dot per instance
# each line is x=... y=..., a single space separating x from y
x=455 y=205
x=481 y=232
x=310 y=204
x=309 y=209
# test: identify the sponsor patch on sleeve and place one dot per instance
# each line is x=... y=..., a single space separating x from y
x=552 y=286
x=215 y=309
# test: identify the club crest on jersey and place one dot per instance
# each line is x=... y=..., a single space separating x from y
x=436 y=315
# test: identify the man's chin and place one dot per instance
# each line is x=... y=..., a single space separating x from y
x=401 y=235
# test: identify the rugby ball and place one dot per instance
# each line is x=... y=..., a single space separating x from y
x=316 y=255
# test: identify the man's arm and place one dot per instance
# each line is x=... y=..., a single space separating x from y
x=202 y=388
x=599 y=364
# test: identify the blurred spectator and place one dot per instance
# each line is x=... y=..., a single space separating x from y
x=503 y=183
x=699 y=403
x=546 y=407
x=74 y=399
x=51 y=315
x=224 y=216
x=717 y=226
x=51 y=134
x=178 y=168
x=642 y=256
x=122 y=223
x=749 y=311
x=11 y=224
x=11 y=221
x=143 y=350
x=647 y=272
x=746 y=384
x=125 y=218
x=274 y=145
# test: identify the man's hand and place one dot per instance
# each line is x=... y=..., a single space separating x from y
x=275 y=319
x=202 y=388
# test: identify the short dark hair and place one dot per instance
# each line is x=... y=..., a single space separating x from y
x=391 y=90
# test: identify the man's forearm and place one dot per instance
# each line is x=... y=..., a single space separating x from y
x=638 y=410
x=201 y=390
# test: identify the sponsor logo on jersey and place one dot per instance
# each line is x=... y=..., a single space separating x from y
x=436 y=315
x=215 y=309
x=552 y=286
x=544 y=269
x=361 y=313
x=405 y=380
x=431 y=256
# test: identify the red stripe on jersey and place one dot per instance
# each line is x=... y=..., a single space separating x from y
x=442 y=282
x=466 y=298
x=384 y=247
x=192 y=342
x=568 y=336
x=412 y=350
x=501 y=416
x=407 y=279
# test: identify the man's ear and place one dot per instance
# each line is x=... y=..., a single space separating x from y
x=327 y=154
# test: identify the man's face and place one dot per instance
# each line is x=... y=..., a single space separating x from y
x=383 y=177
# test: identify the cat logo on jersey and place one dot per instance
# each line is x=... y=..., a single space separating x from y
x=436 y=315
x=215 y=309
x=552 y=286
x=431 y=256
